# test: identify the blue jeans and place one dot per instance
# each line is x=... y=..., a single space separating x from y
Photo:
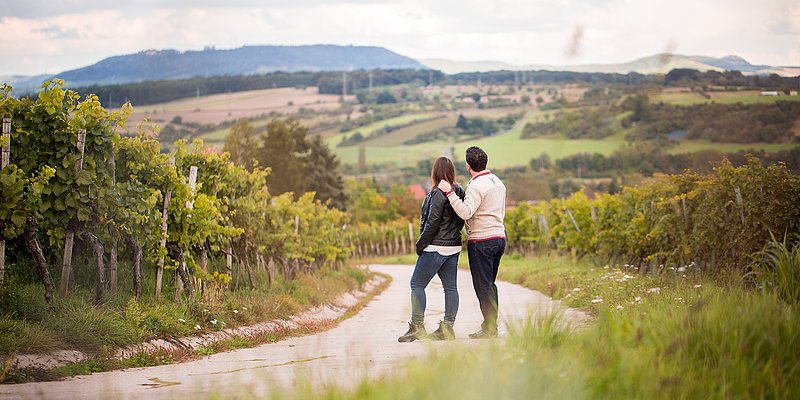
x=484 y=261
x=428 y=265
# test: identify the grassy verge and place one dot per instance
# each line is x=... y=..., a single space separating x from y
x=681 y=334
x=28 y=326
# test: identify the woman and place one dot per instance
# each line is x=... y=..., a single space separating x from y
x=438 y=248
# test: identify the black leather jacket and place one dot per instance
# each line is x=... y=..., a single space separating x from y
x=439 y=225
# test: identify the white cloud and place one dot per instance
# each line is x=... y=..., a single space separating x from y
x=42 y=36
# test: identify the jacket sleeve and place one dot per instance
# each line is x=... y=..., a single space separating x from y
x=465 y=208
x=432 y=223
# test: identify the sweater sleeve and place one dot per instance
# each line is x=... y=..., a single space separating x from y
x=465 y=208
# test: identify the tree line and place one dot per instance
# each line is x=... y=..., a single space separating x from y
x=329 y=82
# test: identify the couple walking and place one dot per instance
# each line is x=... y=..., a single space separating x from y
x=444 y=212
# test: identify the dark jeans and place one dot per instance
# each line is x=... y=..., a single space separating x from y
x=428 y=265
x=484 y=260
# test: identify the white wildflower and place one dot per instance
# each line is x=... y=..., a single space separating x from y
x=213 y=321
x=235 y=311
x=196 y=327
x=654 y=290
x=181 y=320
x=597 y=300
x=619 y=307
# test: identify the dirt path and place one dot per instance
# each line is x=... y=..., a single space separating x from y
x=363 y=346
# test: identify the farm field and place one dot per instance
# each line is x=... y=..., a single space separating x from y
x=516 y=151
x=389 y=148
x=693 y=146
x=745 y=97
x=399 y=136
x=230 y=106
x=217 y=137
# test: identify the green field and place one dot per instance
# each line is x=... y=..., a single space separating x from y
x=515 y=151
x=692 y=146
x=399 y=136
x=745 y=97
x=218 y=136
x=333 y=141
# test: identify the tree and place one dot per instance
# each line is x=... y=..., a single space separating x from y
x=242 y=143
x=541 y=162
x=362 y=158
x=322 y=174
x=385 y=97
x=462 y=122
x=283 y=147
x=297 y=163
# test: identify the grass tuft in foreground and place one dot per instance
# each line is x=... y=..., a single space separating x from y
x=28 y=326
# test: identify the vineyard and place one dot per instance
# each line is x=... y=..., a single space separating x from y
x=70 y=181
x=708 y=221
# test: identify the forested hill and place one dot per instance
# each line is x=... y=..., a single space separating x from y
x=170 y=64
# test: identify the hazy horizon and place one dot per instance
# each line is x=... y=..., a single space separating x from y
x=45 y=37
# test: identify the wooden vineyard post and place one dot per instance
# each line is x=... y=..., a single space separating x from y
x=5 y=158
x=163 y=244
x=183 y=273
x=69 y=241
x=411 y=236
x=229 y=262
x=739 y=202
x=546 y=231
x=575 y=223
x=101 y=278
x=112 y=261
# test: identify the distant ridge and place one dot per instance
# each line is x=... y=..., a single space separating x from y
x=171 y=64
x=656 y=64
x=152 y=65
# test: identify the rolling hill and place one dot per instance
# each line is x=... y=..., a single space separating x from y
x=152 y=65
x=655 y=64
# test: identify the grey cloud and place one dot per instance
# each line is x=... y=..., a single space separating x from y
x=57 y=32
x=33 y=9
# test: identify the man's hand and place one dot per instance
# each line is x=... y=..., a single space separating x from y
x=444 y=186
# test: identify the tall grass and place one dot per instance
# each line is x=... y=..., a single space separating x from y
x=777 y=269
x=679 y=335
x=28 y=325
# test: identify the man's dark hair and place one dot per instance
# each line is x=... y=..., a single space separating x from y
x=476 y=158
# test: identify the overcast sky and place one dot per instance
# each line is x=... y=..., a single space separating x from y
x=41 y=36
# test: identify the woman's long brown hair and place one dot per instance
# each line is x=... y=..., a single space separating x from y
x=443 y=168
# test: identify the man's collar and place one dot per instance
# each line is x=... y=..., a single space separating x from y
x=479 y=174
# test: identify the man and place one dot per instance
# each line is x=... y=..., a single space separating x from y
x=483 y=209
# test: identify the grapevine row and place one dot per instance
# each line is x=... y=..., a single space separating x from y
x=70 y=177
x=673 y=221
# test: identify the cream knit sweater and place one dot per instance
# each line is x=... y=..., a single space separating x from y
x=483 y=208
